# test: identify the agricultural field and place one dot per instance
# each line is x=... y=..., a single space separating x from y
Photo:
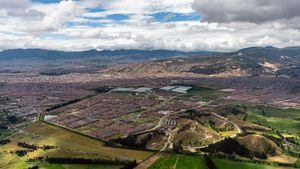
x=297 y=163
x=77 y=166
x=229 y=164
x=179 y=162
x=205 y=94
x=284 y=120
x=228 y=133
x=67 y=145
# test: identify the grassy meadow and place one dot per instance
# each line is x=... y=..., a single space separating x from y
x=68 y=143
x=179 y=162
x=284 y=120
x=229 y=164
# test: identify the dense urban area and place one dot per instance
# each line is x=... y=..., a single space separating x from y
x=184 y=110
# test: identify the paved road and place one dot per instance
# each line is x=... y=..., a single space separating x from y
x=161 y=121
x=226 y=119
x=233 y=136
x=169 y=140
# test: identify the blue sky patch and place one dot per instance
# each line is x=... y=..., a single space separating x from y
x=118 y=17
x=91 y=24
x=95 y=10
x=173 y=17
x=46 y=1
x=55 y=36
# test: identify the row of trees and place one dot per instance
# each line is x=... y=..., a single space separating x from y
x=35 y=147
x=4 y=141
x=231 y=146
x=21 y=153
x=29 y=146
x=209 y=163
x=63 y=160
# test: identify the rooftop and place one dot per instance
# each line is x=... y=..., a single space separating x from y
x=181 y=89
x=143 y=90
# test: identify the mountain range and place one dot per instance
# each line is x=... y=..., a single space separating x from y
x=253 y=61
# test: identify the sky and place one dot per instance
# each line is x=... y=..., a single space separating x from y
x=185 y=25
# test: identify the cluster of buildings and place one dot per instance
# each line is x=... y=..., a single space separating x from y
x=177 y=89
x=105 y=115
x=135 y=90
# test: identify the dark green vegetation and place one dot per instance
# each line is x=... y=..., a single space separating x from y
x=204 y=93
x=286 y=121
x=143 y=141
x=164 y=162
x=75 y=166
x=206 y=162
x=179 y=162
x=298 y=163
x=5 y=133
x=6 y=119
x=229 y=164
x=231 y=146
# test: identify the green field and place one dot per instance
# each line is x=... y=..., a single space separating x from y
x=193 y=162
x=297 y=163
x=280 y=113
x=283 y=120
x=69 y=166
x=179 y=162
x=164 y=162
x=205 y=94
x=228 y=164
x=68 y=143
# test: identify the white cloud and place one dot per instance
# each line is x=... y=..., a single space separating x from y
x=14 y=4
x=18 y=8
x=65 y=11
x=229 y=24
x=141 y=7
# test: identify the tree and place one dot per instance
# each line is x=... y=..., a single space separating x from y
x=12 y=119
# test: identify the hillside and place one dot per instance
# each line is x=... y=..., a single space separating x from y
x=249 y=62
x=261 y=144
x=255 y=61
